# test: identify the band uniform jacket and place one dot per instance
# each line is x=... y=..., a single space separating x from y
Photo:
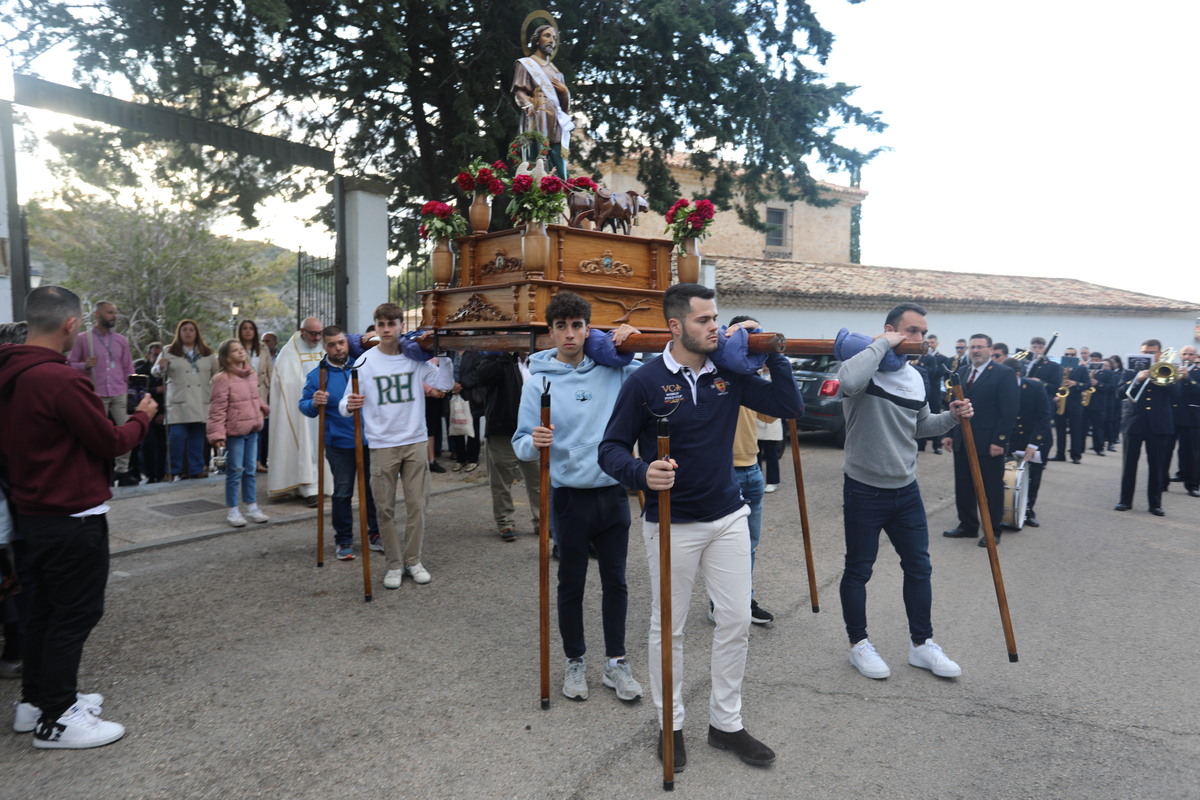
x=1049 y=373
x=1154 y=412
x=1033 y=417
x=1187 y=414
x=1083 y=381
x=994 y=399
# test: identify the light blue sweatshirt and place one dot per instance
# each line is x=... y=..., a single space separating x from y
x=581 y=400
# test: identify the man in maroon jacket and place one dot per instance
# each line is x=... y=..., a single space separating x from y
x=55 y=445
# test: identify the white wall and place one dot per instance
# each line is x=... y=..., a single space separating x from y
x=1110 y=335
x=366 y=256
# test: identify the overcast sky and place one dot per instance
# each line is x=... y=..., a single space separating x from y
x=1053 y=138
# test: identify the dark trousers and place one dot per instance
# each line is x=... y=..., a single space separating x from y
x=1069 y=431
x=435 y=412
x=900 y=514
x=187 y=439
x=1189 y=457
x=64 y=563
x=1034 y=473
x=343 y=465
x=466 y=448
x=991 y=468
x=264 y=442
x=1096 y=418
x=599 y=517
x=1131 y=451
x=768 y=459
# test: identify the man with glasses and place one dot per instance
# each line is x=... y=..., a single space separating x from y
x=293 y=453
x=999 y=352
x=1076 y=378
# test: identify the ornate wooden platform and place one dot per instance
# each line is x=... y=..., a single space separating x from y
x=504 y=280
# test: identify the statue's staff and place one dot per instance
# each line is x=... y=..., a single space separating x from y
x=986 y=519
x=544 y=555
x=362 y=489
x=804 y=529
x=321 y=468
x=666 y=620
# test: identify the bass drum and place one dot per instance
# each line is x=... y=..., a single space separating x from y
x=1016 y=494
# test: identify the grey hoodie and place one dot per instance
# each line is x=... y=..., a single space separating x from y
x=885 y=414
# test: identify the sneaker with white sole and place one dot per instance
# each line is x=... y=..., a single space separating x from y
x=575 y=681
x=25 y=716
x=235 y=518
x=255 y=514
x=930 y=656
x=770 y=487
x=419 y=573
x=867 y=661
x=79 y=728
x=376 y=543
x=393 y=578
x=619 y=676
x=345 y=553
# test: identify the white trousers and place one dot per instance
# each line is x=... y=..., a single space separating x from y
x=720 y=550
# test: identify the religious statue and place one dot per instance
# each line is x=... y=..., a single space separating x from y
x=542 y=95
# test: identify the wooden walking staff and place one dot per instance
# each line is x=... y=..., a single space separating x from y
x=804 y=530
x=544 y=556
x=321 y=468
x=666 y=620
x=361 y=478
x=985 y=519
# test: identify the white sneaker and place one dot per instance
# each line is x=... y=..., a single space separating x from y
x=78 y=728
x=619 y=676
x=575 y=680
x=25 y=716
x=419 y=574
x=929 y=656
x=393 y=579
x=867 y=661
x=235 y=518
x=770 y=487
x=255 y=514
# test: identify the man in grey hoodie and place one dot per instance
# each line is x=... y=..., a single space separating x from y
x=886 y=413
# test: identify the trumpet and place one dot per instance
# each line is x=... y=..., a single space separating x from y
x=1162 y=373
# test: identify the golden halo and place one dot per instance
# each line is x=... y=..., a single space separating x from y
x=537 y=15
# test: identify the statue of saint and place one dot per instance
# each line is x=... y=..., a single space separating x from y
x=543 y=97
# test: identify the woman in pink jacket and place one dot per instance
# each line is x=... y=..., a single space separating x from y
x=235 y=416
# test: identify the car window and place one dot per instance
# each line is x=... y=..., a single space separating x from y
x=815 y=364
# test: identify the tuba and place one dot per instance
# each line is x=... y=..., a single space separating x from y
x=1162 y=373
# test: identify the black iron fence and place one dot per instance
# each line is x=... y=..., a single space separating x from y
x=317 y=289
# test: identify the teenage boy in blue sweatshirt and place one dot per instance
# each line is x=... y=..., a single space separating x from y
x=587 y=506
x=339 y=441
x=709 y=531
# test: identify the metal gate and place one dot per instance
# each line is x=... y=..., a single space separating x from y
x=318 y=279
x=404 y=285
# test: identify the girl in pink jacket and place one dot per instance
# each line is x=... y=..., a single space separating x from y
x=235 y=416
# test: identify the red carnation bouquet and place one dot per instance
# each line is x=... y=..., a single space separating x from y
x=480 y=176
x=688 y=221
x=543 y=201
x=441 y=221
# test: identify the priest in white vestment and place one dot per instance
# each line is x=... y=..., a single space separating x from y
x=293 y=447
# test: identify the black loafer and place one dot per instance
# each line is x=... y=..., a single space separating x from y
x=1031 y=522
x=960 y=533
x=742 y=745
x=1158 y=512
x=1193 y=493
x=983 y=539
x=680 y=751
x=1120 y=507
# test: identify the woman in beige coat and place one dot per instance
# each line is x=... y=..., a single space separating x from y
x=259 y=356
x=188 y=367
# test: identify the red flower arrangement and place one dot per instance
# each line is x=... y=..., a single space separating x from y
x=479 y=176
x=544 y=201
x=582 y=184
x=687 y=221
x=441 y=221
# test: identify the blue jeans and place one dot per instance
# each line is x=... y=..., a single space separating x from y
x=187 y=437
x=342 y=464
x=241 y=456
x=901 y=514
x=750 y=480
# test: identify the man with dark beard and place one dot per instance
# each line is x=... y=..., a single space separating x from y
x=709 y=531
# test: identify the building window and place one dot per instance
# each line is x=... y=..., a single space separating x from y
x=777 y=234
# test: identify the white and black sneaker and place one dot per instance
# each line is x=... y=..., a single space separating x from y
x=79 y=728
x=25 y=716
x=759 y=615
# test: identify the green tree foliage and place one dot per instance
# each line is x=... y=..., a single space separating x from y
x=410 y=91
x=160 y=265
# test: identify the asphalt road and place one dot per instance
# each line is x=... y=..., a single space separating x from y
x=241 y=670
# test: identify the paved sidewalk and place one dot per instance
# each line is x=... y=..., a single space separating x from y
x=160 y=514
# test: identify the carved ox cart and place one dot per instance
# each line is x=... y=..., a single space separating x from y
x=606 y=207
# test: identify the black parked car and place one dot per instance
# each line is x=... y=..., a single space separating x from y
x=822 y=393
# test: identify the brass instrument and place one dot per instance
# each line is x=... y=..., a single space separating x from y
x=1064 y=391
x=953 y=369
x=1162 y=373
x=1087 y=395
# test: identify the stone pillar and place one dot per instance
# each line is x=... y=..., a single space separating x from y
x=366 y=249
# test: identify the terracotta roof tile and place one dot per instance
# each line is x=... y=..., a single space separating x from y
x=776 y=282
